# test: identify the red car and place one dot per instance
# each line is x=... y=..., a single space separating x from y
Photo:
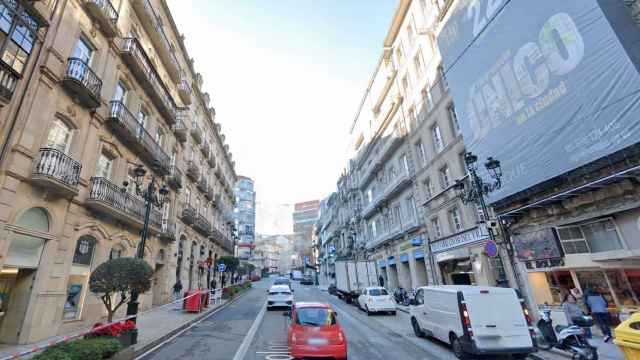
x=314 y=332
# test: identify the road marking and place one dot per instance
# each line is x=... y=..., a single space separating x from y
x=242 y=350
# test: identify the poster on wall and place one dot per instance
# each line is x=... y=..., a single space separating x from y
x=543 y=86
x=537 y=245
x=72 y=304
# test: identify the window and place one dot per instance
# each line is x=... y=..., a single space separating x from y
x=438 y=143
x=104 y=166
x=427 y=99
x=160 y=136
x=405 y=84
x=443 y=79
x=83 y=51
x=399 y=53
x=455 y=219
x=410 y=31
x=396 y=212
x=451 y=110
x=428 y=188
x=445 y=177
x=392 y=172
x=404 y=163
x=412 y=117
x=187 y=195
x=17 y=35
x=422 y=156
x=121 y=93
x=480 y=213
x=572 y=240
x=59 y=136
x=418 y=63
x=437 y=231
x=142 y=116
x=411 y=208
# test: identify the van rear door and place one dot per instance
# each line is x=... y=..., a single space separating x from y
x=497 y=319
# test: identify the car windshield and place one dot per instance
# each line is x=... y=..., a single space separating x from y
x=378 y=292
x=314 y=317
x=281 y=282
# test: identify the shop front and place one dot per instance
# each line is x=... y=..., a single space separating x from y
x=461 y=259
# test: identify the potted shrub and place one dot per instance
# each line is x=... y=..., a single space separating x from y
x=125 y=332
x=113 y=281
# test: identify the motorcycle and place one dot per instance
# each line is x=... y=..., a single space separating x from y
x=402 y=297
x=571 y=338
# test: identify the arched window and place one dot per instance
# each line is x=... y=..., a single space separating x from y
x=25 y=249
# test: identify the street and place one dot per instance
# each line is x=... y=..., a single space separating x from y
x=221 y=336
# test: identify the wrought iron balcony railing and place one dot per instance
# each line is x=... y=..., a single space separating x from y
x=125 y=124
x=184 y=90
x=201 y=225
x=105 y=14
x=169 y=230
x=107 y=197
x=57 y=170
x=8 y=82
x=179 y=128
x=202 y=184
x=175 y=177
x=138 y=60
x=82 y=83
x=188 y=214
x=193 y=171
x=196 y=132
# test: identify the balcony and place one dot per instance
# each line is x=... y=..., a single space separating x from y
x=153 y=25
x=57 y=171
x=211 y=160
x=193 y=171
x=209 y=193
x=125 y=124
x=188 y=214
x=371 y=208
x=8 y=82
x=105 y=14
x=201 y=225
x=196 y=132
x=217 y=200
x=169 y=231
x=180 y=129
x=115 y=202
x=396 y=185
x=184 y=90
x=202 y=184
x=83 y=84
x=175 y=177
x=218 y=172
x=136 y=58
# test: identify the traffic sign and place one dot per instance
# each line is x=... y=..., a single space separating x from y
x=491 y=248
x=221 y=267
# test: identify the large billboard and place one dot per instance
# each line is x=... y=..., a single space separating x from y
x=543 y=86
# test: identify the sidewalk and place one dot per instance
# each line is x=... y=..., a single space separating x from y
x=606 y=351
x=154 y=327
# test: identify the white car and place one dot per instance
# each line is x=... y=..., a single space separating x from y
x=279 y=296
x=376 y=299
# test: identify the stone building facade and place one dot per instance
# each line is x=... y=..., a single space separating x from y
x=100 y=87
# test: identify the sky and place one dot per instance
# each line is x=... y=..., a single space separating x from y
x=286 y=78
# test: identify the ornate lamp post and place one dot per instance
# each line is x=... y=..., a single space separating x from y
x=152 y=197
x=476 y=189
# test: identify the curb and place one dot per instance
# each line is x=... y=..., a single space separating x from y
x=174 y=331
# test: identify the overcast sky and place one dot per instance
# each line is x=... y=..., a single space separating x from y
x=286 y=78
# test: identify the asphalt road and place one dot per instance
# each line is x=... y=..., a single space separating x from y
x=240 y=332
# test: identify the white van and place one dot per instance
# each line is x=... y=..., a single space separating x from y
x=474 y=319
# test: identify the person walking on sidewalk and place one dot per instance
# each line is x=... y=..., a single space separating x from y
x=571 y=308
x=598 y=307
x=177 y=289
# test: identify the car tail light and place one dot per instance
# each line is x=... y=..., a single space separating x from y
x=340 y=338
x=527 y=316
x=466 y=320
x=294 y=339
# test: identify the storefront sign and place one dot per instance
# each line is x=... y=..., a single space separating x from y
x=461 y=253
x=404 y=258
x=418 y=254
x=537 y=245
x=417 y=241
x=464 y=238
x=391 y=261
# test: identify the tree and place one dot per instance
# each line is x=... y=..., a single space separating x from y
x=119 y=277
x=231 y=264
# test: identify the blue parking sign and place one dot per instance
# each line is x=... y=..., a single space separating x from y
x=221 y=267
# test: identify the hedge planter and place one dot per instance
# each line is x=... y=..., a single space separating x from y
x=128 y=338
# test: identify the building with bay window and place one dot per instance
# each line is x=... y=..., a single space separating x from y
x=88 y=91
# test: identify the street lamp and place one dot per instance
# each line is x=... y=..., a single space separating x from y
x=152 y=197
x=476 y=189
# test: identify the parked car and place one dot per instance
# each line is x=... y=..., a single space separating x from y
x=307 y=280
x=255 y=277
x=441 y=312
x=282 y=281
x=376 y=299
x=314 y=331
x=279 y=296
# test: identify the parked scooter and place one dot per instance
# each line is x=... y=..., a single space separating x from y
x=401 y=296
x=566 y=338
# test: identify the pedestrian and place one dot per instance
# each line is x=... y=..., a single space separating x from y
x=381 y=281
x=177 y=289
x=598 y=306
x=213 y=284
x=571 y=308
